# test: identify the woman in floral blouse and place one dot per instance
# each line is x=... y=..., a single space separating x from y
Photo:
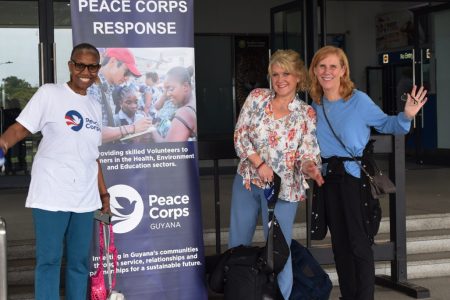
x=275 y=133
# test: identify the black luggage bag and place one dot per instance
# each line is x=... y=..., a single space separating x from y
x=250 y=272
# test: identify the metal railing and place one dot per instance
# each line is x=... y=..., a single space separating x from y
x=215 y=151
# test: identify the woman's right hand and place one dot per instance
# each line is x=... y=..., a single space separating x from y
x=265 y=173
x=142 y=125
x=3 y=146
x=309 y=168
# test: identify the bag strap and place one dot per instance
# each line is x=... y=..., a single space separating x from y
x=342 y=144
x=111 y=249
x=269 y=244
x=276 y=185
x=276 y=191
x=101 y=249
x=183 y=121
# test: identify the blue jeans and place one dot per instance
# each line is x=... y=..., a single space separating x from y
x=245 y=208
x=51 y=230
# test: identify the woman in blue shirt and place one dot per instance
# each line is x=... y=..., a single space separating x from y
x=351 y=113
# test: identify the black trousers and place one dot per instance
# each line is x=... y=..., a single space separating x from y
x=352 y=248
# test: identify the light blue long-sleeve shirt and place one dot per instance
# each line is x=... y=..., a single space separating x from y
x=351 y=120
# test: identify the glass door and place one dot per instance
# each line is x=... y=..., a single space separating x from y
x=287 y=27
x=63 y=40
x=432 y=64
x=398 y=76
x=37 y=44
x=19 y=74
x=289 y=24
x=440 y=22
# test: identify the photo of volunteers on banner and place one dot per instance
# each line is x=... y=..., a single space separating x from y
x=147 y=95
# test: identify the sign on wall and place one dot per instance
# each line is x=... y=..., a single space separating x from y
x=394 y=30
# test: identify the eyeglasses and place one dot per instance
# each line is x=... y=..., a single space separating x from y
x=93 y=68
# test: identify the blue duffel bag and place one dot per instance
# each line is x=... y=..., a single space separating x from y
x=310 y=280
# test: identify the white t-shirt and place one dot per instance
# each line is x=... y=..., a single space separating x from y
x=64 y=171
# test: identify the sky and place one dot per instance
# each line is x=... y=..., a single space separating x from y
x=21 y=47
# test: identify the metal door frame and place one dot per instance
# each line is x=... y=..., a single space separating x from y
x=435 y=156
x=310 y=9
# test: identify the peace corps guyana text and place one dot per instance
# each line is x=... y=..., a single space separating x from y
x=168 y=209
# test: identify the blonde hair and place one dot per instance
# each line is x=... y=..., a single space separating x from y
x=346 y=87
x=290 y=61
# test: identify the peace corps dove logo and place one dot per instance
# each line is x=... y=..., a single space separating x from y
x=127 y=207
x=74 y=120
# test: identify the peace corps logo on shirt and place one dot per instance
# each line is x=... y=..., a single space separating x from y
x=74 y=120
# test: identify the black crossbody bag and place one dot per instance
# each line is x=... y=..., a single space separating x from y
x=380 y=184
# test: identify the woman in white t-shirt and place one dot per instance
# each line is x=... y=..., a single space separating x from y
x=67 y=183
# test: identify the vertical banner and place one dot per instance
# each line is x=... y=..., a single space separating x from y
x=149 y=153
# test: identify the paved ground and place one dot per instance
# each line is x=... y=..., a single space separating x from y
x=439 y=288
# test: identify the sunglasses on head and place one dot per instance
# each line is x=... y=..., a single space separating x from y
x=80 y=66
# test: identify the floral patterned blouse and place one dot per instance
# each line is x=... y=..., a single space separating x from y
x=282 y=143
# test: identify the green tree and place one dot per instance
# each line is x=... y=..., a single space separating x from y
x=19 y=89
